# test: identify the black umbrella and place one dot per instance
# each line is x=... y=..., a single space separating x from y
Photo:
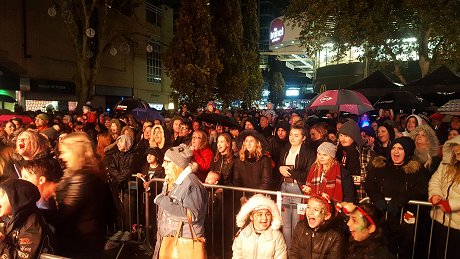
x=401 y=100
x=218 y=119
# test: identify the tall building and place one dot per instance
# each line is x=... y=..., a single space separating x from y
x=38 y=52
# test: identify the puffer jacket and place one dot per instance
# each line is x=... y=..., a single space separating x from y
x=307 y=243
x=26 y=235
x=441 y=184
x=269 y=244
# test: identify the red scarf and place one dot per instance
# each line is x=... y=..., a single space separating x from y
x=329 y=183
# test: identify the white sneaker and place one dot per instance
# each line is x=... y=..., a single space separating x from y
x=116 y=236
x=126 y=236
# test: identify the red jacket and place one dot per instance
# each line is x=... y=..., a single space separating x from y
x=203 y=158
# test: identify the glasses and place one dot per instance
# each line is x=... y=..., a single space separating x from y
x=314 y=210
x=196 y=137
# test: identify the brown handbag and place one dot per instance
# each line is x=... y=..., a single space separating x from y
x=178 y=247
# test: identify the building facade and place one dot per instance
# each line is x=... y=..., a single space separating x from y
x=38 y=51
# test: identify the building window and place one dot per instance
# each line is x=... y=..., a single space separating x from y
x=154 y=63
x=153 y=14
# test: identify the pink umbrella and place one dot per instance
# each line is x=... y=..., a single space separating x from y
x=341 y=100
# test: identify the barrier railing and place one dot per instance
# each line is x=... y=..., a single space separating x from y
x=224 y=204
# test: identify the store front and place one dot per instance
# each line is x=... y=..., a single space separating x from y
x=41 y=94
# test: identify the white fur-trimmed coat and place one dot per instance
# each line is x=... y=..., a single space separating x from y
x=439 y=185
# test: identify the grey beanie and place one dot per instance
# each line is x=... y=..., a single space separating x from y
x=327 y=148
x=181 y=155
x=351 y=129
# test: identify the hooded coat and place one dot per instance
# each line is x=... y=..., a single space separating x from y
x=26 y=234
x=269 y=243
x=443 y=185
x=401 y=183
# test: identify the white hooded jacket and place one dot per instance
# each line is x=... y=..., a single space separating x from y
x=270 y=243
x=441 y=184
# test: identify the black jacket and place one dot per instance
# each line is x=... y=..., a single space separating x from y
x=253 y=174
x=323 y=243
x=26 y=234
x=82 y=203
x=122 y=165
x=371 y=248
x=275 y=146
x=304 y=160
x=223 y=168
x=400 y=183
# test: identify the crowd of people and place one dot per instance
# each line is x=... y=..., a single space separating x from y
x=64 y=179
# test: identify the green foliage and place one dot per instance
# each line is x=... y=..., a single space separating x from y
x=227 y=28
x=276 y=89
x=251 y=43
x=382 y=27
x=192 y=61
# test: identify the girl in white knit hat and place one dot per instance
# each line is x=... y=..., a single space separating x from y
x=327 y=176
x=259 y=221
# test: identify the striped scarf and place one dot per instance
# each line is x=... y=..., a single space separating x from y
x=329 y=182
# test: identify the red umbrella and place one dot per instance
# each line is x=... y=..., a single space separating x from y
x=6 y=117
x=341 y=100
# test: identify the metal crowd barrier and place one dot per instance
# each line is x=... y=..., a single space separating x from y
x=224 y=204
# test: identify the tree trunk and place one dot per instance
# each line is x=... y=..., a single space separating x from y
x=423 y=59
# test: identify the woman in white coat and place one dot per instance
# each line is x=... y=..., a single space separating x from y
x=444 y=194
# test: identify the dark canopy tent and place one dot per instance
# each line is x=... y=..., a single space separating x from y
x=438 y=87
x=374 y=86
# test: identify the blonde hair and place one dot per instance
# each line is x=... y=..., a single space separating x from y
x=204 y=138
x=38 y=142
x=83 y=151
x=176 y=171
x=152 y=142
x=453 y=169
x=426 y=155
x=319 y=166
x=257 y=153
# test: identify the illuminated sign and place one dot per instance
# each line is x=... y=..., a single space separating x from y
x=292 y=92
x=276 y=31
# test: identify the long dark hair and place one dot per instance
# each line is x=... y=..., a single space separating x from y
x=229 y=158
